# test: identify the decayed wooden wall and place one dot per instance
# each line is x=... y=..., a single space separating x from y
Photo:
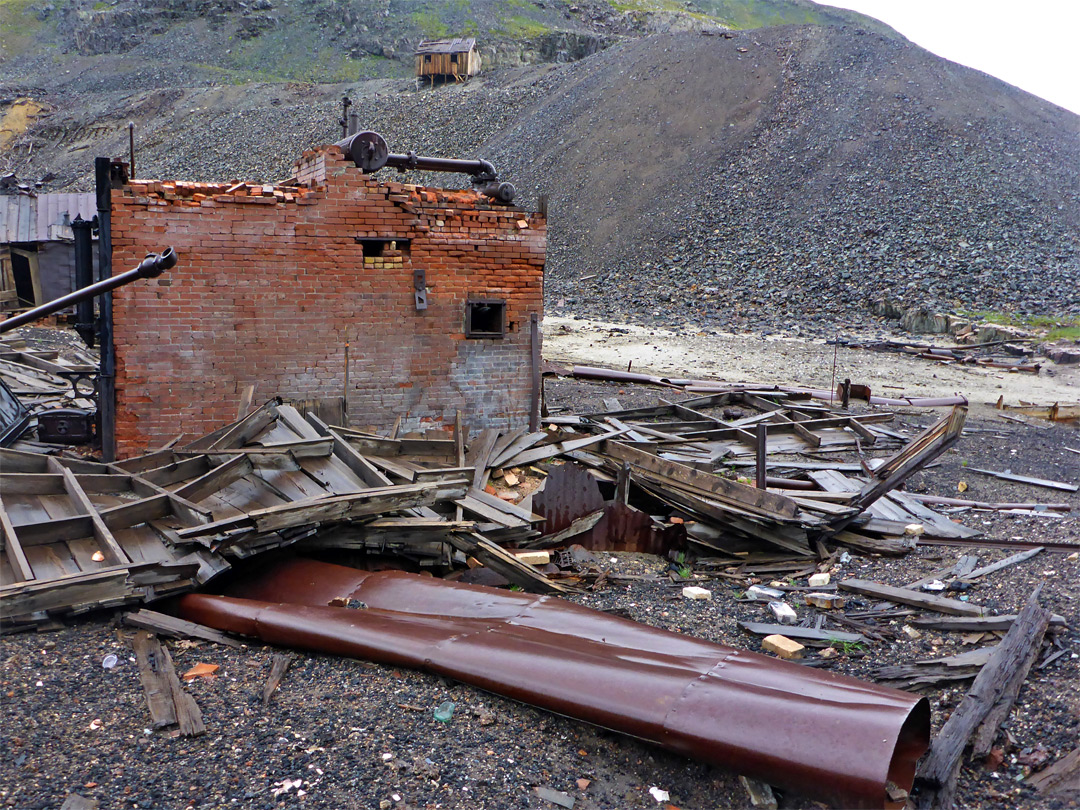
x=448 y=64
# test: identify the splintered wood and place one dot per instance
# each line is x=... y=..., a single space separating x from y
x=79 y=534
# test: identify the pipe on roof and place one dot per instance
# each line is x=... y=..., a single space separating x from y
x=815 y=732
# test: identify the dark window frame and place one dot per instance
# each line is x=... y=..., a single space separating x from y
x=485 y=326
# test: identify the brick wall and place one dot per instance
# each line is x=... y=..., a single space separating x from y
x=272 y=282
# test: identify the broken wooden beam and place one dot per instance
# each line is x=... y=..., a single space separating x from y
x=165 y=697
x=991 y=696
x=163 y=624
x=904 y=596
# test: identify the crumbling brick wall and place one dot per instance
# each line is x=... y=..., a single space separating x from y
x=273 y=282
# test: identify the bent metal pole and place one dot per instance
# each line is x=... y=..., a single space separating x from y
x=153 y=265
x=821 y=734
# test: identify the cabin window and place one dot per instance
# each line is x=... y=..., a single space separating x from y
x=453 y=59
x=427 y=58
x=485 y=318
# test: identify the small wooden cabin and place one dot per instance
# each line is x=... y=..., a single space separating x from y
x=456 y=58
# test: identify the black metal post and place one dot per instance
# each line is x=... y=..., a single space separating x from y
x=106 y=378
x=762 y=436
x=84 y=276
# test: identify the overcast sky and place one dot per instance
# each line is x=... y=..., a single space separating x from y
x=1033 y=44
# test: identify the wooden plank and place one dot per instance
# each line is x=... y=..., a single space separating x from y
x=247 y=428
x=749 y=499
x=65 y=591
x=162 y=688
x=278 y=666
x=488 y=512
x=164 y=624
x=151 y=665
x=892 y=546
x=480 y=452
x=976 y=624
x=109 y=547
x=792 y=631
x=517 y=446
x=991 y=695
x=997 y=566
x=333 y=509
x=15 y=555
x=904 y=596
x=216 y=479
x=1061 y=778
x=1026 y=479
x=501 y=561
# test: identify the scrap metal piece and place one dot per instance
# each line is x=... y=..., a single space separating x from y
x=829 y=736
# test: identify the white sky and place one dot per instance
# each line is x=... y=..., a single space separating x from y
x=1034 y=44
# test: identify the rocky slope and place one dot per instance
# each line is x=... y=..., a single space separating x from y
x=786 y=176
x=774 y=179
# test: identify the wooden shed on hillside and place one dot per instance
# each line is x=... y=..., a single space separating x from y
x=457 y=58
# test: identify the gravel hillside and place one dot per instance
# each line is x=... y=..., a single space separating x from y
x=784 y=177
x=778 y=179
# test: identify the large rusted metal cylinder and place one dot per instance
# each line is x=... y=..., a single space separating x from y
x=818 y=733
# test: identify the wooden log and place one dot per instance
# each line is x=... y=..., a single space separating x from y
x=996 y=685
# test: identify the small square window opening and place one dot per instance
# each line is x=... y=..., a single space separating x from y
x=485 y=318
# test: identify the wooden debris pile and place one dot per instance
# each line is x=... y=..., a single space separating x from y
x=80 y=535
x=33 y=381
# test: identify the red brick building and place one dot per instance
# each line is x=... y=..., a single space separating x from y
x=432 y=292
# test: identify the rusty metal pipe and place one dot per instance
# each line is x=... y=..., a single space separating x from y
x=814 y=732
x=368 y=150
x=153 y=265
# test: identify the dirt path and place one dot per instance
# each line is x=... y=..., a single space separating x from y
x=743 y=358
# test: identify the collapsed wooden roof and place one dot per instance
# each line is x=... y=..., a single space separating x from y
x=455 y=45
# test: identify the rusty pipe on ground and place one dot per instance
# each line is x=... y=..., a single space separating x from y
x=153 y=265
x=818 y=733
x=368 y=150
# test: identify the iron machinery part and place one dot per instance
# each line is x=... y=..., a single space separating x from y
x=369 y=151
x=66 y=426
x=152 y=266
x=815 y=732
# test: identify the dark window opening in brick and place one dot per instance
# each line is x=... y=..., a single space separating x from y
x=373 y=248
x=485 y=318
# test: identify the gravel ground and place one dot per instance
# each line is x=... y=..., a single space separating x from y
x=363 y=735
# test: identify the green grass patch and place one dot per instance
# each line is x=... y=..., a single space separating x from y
x=1060 y=326
x=521 y=27
x=1064 y=333
x=430 y=25
x=20 y=27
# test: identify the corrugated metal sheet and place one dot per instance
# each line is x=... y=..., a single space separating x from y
x=42 y=218
x=458 y=45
